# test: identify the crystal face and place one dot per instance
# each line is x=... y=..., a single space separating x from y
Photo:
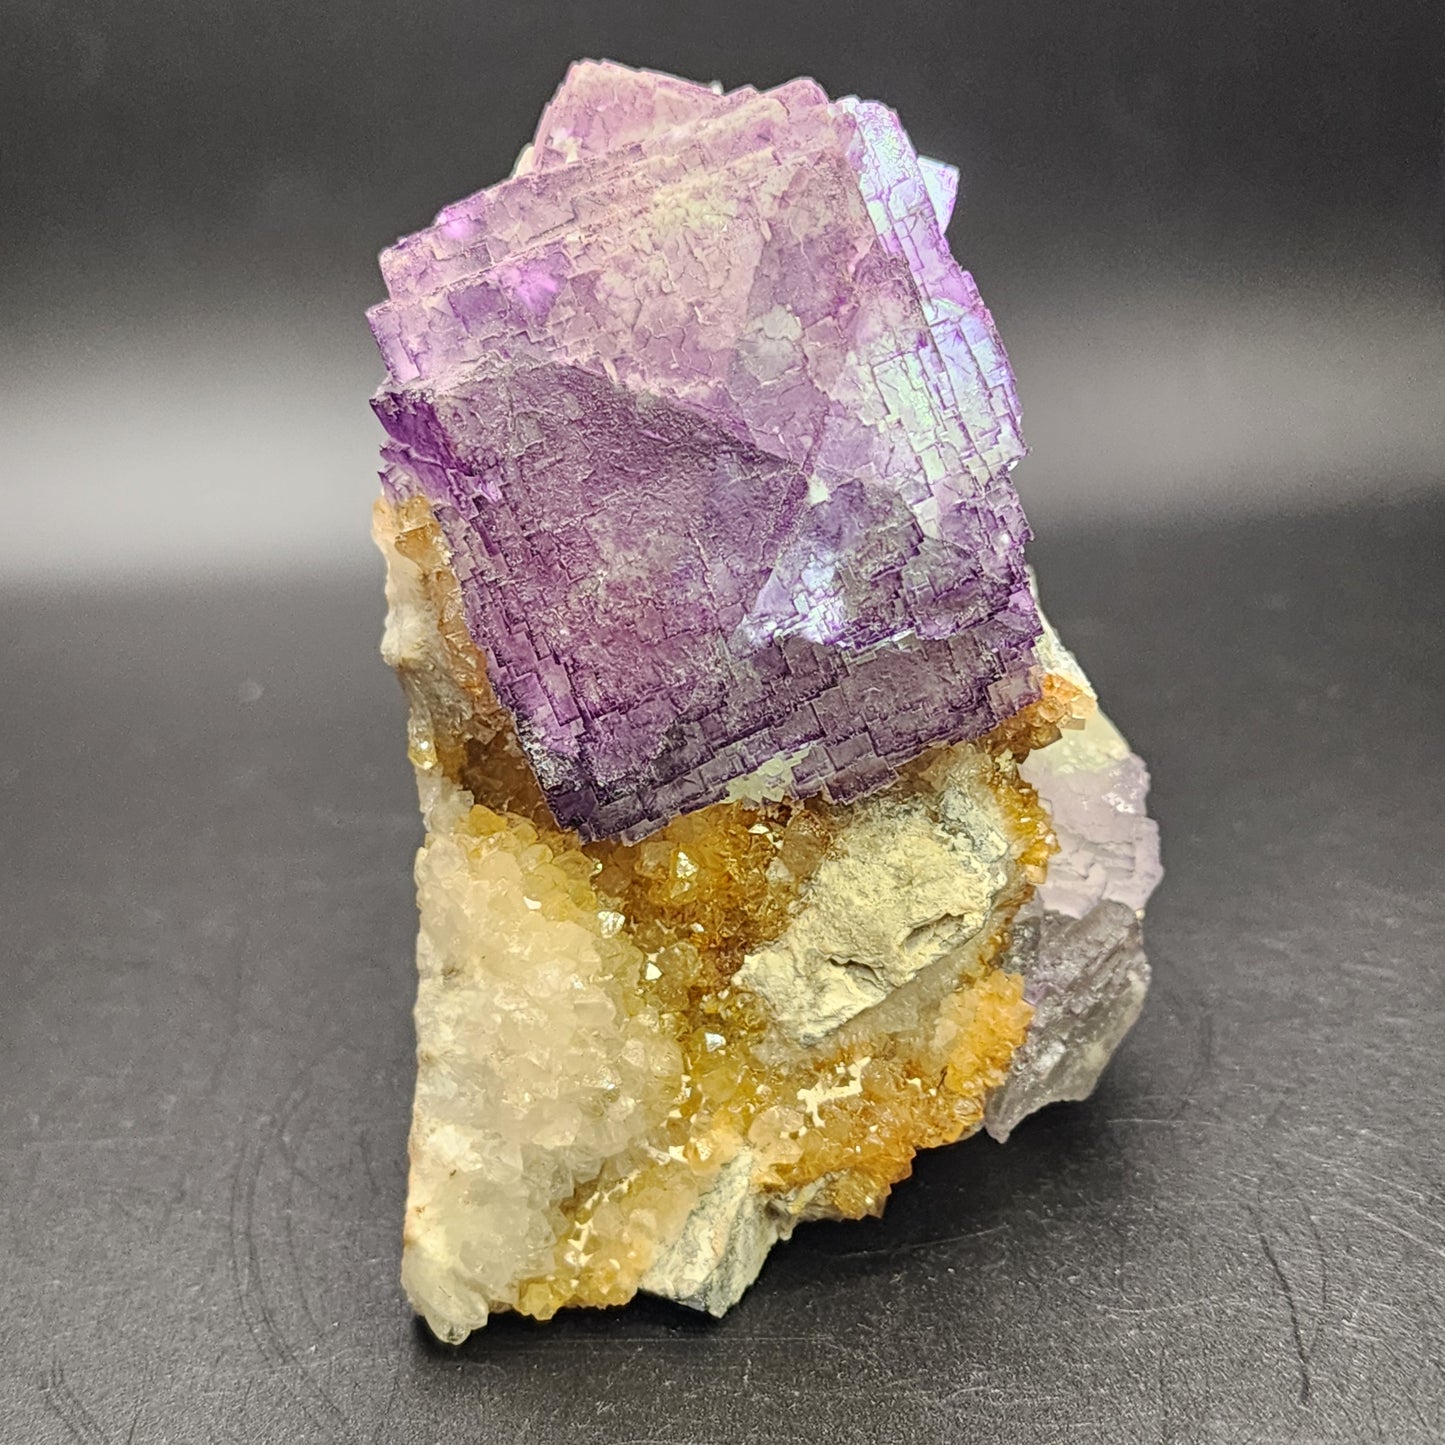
x=719 y=437
x=771 y=833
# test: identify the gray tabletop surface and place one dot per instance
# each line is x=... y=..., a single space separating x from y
x=205 y=1052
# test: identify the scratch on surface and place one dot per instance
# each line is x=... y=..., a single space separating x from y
x=1417 y=1240
x=147 y=1374
x=383 y=1420
x=1294 y=1324
x=1323 y=1256
x=1382 y=1187
x=93 y=1141
x=65 y=1405
x=258 y=1310
x=885 y=1251
x=1179 y=1306
x=1349 y=1325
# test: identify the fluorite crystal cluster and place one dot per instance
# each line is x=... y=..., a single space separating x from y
x=771 y=834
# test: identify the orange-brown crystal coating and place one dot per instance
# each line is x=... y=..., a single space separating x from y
x=831 y=1129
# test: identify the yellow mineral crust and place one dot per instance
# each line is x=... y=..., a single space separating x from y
x=589 y=1055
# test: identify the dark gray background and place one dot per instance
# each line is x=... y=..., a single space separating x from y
x=1211 y=236
x=1210 y=233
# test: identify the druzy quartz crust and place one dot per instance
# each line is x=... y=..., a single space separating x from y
x=771 y=833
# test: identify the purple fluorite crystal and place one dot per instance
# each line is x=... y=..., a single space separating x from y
x=719 y=436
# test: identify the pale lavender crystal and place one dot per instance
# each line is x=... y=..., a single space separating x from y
x=719 y=435
x=1078 y=941
x=1085 y=979
x=1108 y=844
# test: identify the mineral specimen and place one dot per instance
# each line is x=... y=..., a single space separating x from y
x=771 y=834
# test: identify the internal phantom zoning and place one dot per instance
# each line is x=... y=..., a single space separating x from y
x=771 y=834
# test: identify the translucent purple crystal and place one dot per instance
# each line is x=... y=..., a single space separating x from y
x=719 y=436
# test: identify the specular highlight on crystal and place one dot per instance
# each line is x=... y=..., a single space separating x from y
x=771 y=834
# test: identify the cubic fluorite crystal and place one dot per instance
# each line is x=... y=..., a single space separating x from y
x=771 y=834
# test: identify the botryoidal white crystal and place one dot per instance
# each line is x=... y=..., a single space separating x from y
x=536 y=1067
